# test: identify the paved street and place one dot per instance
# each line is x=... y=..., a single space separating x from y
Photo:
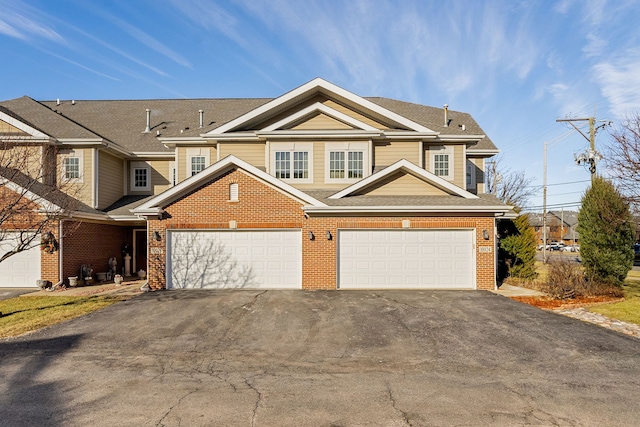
x=336 y=358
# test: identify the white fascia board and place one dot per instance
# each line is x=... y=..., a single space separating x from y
x=496 y=210
x=81 y=141
x=240 y=136
x=318 y=107
x=486 y=152
x=314 y=85
x=410 y=168
x=44 y=203
x=458 y=138
x=409 y=135
x=320 y=134
x=154 y=205
x=153 y=155
x=35 y=133
x=88 y=216
x=180 y=139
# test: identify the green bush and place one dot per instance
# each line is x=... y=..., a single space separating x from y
x=607 y=234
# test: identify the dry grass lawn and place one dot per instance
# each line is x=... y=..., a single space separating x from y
x=27 y=314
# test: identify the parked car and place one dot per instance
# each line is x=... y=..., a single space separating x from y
x=636 y=250
x=556 y=246
x=571 y=248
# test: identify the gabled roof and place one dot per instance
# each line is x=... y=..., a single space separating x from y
x=308 y=90
x=408 y=167
x=156 y=204
x=319 y=108
x=43 y=121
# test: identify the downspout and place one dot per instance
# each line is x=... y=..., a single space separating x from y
x=95 y=178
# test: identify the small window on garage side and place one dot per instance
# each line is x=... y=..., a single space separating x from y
x=233 y=192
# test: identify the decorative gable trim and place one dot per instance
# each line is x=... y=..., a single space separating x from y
x=407 y=166
x=35 y=133
x=314 y=86
x=320 y=108
x=154 y=206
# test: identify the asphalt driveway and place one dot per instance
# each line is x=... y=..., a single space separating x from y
x=337 y=358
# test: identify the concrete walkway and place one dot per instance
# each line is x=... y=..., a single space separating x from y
x=516 y=291
x=131 y=287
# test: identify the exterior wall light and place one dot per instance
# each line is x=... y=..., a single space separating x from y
x=156 y=236
x=311 y=236
x=329 y=236
x=485 y=234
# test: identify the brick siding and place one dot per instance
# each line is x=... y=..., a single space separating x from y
x=260 y=206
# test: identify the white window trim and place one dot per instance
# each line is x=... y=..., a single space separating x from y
x=472 y=185
x=197 y=152
x=78 y=154
x=346 y=147
x=173 y=174
x=440 y=149
x=140 y=165
x=307 y=147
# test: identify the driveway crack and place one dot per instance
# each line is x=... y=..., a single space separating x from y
x=258 y=400
x=392 y=398
x=160 y=422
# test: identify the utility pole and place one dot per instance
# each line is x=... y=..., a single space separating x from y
x=591 y=156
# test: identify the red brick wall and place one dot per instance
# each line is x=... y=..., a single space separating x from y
x=91 y=243
x=261 y=206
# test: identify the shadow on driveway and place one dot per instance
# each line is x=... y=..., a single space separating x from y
x=294 y=358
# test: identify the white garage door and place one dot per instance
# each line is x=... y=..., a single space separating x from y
x=21 y=270
x=258 y=259
x=419 y=259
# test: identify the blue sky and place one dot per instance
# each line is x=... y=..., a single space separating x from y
x=516 y=66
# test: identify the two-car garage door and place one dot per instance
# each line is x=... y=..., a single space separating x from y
x=250 y=259
x=402 y=259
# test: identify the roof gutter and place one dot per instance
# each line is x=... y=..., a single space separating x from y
x=497 y=210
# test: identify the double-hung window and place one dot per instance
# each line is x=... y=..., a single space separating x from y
x=292 y=162
x=71 y=168
x=442 y=161
x=346 y=162
x=198 y=163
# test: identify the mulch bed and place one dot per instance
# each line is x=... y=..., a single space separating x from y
x=548 y=303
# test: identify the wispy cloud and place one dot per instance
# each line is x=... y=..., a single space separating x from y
x=148 y=41
x=24 y=22
x=619 y=80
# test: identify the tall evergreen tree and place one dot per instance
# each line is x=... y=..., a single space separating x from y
x=520 y=248
x=606 y=232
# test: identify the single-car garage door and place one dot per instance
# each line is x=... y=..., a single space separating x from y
x=21 y=270
x=256 y=259
x=419 y=259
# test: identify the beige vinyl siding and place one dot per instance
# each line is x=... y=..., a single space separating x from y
x=388 y=152
x=403 y=184
x=181 y=161
x=7 y=129
x=110 y=179
x=28 y=159
x=252 y=153
x=83 y=189
x=322 y=122
x=459 y=166
x=160 y=175
x=479 y=162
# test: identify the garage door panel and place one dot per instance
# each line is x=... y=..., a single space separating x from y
x=406 y=259
x=235 y=259
x=21 y=270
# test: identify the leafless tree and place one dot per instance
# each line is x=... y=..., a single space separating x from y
x=512 y=187
x=199 y=260
x=31 y=200
x=622 y=157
